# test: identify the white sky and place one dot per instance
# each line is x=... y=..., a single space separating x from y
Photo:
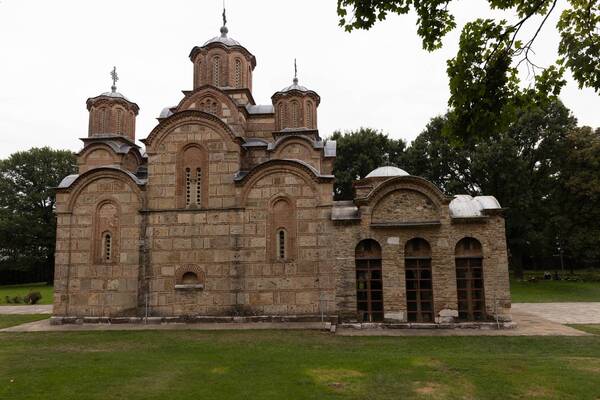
x=55 y=54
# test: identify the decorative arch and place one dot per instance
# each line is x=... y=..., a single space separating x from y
x=282 y=229
x=88 y=177
x=369 y=281
x=192 y=176
x=185 y=272
x=410 y=182
x=106 y=228
x=419 y=281
x=470 y=288
x=169 y=124
x=299 y=169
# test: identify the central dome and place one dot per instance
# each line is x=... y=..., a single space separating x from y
x=223 y=38
x=387 y=172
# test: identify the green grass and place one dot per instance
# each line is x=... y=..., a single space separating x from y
x=594 y=329
x=294 y=365
x=46 y=290
x=553 y=291
x=18 y=319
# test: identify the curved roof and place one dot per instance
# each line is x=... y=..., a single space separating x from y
x=223 y=38
x=465 y=206
x=294 y=86
x=115 y=95
x=386 y=172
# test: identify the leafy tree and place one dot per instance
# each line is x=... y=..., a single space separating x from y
x=358 y=153
x=485 y=89
x=519 y=166
x=27 y=223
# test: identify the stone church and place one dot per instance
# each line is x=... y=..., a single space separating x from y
x=227 y=214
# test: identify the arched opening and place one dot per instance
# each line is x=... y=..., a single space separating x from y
x=119 y=123
x=469 y=280
x=192 y=184
x=283 y=225
x=309 y=115
x=369 y=281
x=295 y=116
x=106 y=239
x=419 y=288
x=189 y=278
x=238 y=73
x=216 y=72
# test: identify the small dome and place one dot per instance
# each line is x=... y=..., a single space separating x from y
x=386 y=172
x=115 y=95
x=227 y=41
x=294 y=86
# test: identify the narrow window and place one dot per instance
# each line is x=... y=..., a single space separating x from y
x=119 y=120
x=216 y=71
x=294 y=115
x=238 y=73
x=188 y=187
x=107 y=253
x=281 y=116
x=198 y=187
x=102 y=117
x=281 y=244
x=309 y=116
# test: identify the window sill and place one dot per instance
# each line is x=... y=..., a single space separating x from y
x=196 y=286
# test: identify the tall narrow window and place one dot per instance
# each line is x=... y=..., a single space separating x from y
x=119 y=120
x=188 y=187
x=107 y=247
x=238 y=73
x=102 y=119
x=309 y=115
x=281 y=244
x=198 y=187
x=369 y=281
x=216 y=71
x=294 y=115
x=282 y=112
x=419 y=288
x=469 y=280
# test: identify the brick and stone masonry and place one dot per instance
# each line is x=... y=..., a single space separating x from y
x=228 y=211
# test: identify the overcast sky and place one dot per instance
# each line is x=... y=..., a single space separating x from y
x=55 y=54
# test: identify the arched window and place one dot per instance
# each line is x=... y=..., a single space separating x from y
x=106 y=230
x=282 y=230
x=107 y=247
x=294 y=121
x=189 y=278
x=419 y=288
x=198 y=187
x=192 y=183
x=238 y=73
x=188 y=187
x=309 y=115
x=282 y=115
x=102 y=120
x=281 y=248
x=119 y=121
x=369 y=281
x=469 y=280
x=216 y=71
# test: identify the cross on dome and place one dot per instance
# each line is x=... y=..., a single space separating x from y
x=115 y=78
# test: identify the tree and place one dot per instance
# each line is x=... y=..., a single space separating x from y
x=519 y=166
x=27 y=222
x=358 y=153
x=485 y=89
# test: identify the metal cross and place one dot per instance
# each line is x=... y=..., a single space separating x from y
x=115 y=78
x=224 y=16
x=295 y=70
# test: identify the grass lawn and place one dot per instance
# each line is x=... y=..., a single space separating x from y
x=553 y=291
x=46 y=290
x=12 y=320
x=294 y=365
x=594 y=329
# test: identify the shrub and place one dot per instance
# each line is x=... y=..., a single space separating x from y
x=8 y=299
x=17 y=299
x=33 y=297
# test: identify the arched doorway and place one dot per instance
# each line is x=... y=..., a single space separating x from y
x=369 y=281
x=469 y=280
x=419 y=288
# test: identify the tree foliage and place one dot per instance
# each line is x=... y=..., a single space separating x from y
x=358 y=153
x=542 y=168
x=27 y=223
x=485 y=89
